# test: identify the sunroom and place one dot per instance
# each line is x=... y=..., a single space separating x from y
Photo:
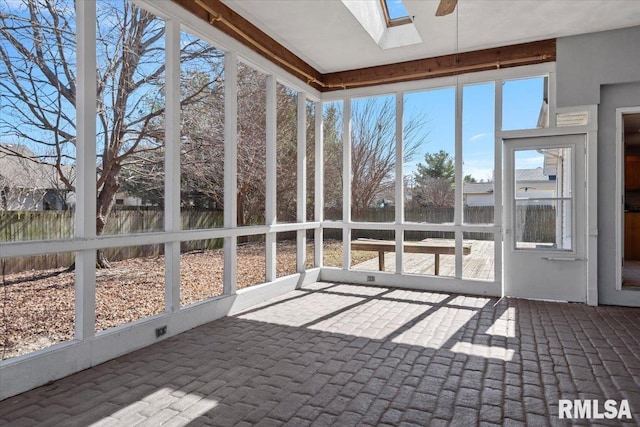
x=210 y=159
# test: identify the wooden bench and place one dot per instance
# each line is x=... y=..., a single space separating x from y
x=435 y=247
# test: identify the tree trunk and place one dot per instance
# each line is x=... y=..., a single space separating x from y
x=240 y=217
x=105 y=202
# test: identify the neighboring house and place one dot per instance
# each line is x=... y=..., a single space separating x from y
x=478 y=194
x=28 y=184
x=124 y=199
x=532 y=183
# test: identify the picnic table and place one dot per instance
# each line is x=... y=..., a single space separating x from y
x=430 y=246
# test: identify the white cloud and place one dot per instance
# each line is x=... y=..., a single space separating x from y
x=478 y=136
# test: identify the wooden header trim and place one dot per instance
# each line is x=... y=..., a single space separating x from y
x=448 y=65
x=234 y=25
x=229 y=22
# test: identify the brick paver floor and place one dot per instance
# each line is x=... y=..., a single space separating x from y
x=335 y=354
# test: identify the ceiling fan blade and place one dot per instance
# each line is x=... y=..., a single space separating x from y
x=446 y=7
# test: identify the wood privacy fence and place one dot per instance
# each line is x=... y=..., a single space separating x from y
x=538 y=222
x=50 y=225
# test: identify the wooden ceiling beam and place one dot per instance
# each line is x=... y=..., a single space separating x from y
x=447 y=65
x=229 y=22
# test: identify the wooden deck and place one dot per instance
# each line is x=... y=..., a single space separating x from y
x=479 y=264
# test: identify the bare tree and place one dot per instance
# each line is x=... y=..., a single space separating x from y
x=37 y=77
x=201 y=145
x=373 y=150
x=332 y=147
x=437 y=192
x=202 y=149
x=287 y=151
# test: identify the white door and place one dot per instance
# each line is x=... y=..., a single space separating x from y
x=545 y=218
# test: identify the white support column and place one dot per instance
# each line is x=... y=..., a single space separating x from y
x=551 y=99
x=346 y=184
x=497 y=186
x=319 y=182
x=272 y=172
x=172 y=219
x=458 y=213
x=86 y=111
x=399 y=181
x=230 y=169
x=301 y=241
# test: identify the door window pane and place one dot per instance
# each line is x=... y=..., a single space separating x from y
x=543 y=199
x=543 y=224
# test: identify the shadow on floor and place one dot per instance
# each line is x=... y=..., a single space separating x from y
x=335 y=354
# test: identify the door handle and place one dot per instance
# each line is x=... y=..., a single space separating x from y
x=553 y=258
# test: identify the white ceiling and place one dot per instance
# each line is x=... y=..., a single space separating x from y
x=328 y=37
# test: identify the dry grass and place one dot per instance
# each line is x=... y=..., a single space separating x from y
x=332 y=256
x=38 y=306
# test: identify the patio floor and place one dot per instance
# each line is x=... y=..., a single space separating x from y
x=478 y=264
x=335 y=354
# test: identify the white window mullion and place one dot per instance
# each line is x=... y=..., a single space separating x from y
x=458 y=213
x=85 y=273
x=230 y=169
x=172 y=220
x=319 y=182
x=346 y=183
x=399 y=181
x=301 y=241
x=271 y=190
x=497 y=184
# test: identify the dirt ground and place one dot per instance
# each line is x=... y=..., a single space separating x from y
x=37 y=307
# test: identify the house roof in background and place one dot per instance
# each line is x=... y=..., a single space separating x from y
x=528 y=175
x=21 y=168
x=536 y=174
x=478 y=188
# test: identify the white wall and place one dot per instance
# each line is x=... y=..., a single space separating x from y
x=603 y=68
x=586 y=62
x=612 y=97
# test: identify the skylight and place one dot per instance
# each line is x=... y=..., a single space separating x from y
x=395 y=12
x=386 y=32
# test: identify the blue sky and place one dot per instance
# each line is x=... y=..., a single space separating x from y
x=521 y=103
x=396 y=9
x=522 y=100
